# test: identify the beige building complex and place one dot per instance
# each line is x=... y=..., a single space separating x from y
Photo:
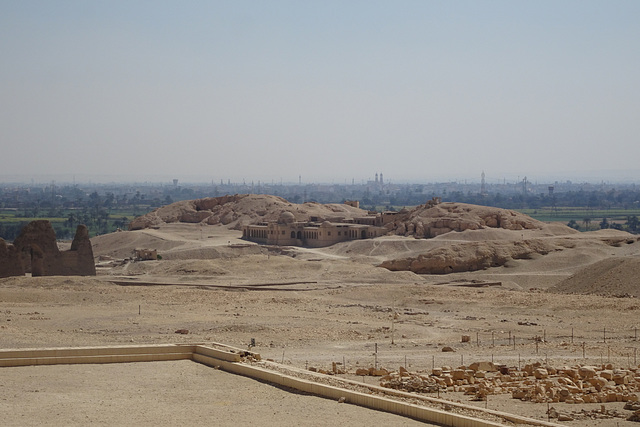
x=314 y=233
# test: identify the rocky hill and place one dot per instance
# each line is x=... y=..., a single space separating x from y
x=434 y=219
x=425 y=221
x=238 y=210
x=471 y=256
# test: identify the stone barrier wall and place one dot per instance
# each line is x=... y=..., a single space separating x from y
x=227 y=359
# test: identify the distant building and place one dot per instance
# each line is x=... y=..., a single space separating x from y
x=145 y=254
x=377 y=184
x=315 y=233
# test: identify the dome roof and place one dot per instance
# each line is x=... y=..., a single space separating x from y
x=286 y=217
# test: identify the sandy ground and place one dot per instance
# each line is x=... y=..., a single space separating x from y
x=304 y=308
x=165 y=393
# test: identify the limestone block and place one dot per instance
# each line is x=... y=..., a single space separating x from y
x=587 y=372
x=520 y=393
x=483 y=366
x=570 y=373
x=607 y=374
x=540 y=373
x=458 y=374
x=574 y=390
x=598 y=382
x=448 y=380
x=620 y=378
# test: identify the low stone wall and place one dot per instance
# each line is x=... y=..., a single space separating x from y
x=64 y=356
x=379 y=403
x=228 y=358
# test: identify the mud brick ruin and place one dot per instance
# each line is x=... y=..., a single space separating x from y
x=35 y=251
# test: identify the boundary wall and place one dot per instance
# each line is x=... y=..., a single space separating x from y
x=229 y=358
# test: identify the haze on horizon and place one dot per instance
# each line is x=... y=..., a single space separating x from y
x=330 y=91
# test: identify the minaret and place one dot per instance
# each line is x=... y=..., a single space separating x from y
x=381 y=180
x=483 y=185
x=376 y=178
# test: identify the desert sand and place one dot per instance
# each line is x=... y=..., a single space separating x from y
x=311 y=307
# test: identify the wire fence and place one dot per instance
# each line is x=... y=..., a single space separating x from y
x=596 y=347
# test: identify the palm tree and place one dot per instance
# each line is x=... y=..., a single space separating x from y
x=72 y=220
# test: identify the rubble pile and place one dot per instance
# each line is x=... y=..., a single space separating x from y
x=581 y=384
x=595 y=414
x=413 y=383
x=535 y=383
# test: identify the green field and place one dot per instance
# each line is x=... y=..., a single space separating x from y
x=578 y=214
x=66 y=220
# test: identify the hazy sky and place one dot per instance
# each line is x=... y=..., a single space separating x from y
x=329 y=90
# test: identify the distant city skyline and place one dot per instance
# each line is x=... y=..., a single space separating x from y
x=612 y=177
x=421 y=90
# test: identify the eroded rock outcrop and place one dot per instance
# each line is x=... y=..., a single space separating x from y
x=470 y=256
x=240 y=209
x=434 y=219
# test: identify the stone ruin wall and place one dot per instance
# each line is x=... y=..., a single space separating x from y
x=10 y=261
x=35 y=251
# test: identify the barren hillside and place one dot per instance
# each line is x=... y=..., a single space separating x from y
x=615 y=276
x=238 y=210
x=430 y=239
x=431 y=220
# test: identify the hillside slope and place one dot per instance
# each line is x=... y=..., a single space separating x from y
x=238 y=210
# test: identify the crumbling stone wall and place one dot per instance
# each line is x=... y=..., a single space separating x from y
x=34 y=241
x=78 y=261
x=38 y=252
x=10 y=262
